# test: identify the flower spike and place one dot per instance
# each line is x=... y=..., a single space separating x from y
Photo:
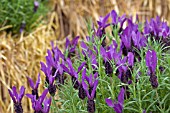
x=17 y=98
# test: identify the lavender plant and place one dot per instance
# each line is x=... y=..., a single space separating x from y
x=17 y=98
x=21 y=15
x=132 y=69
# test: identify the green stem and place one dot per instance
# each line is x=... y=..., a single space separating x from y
x=134 y=90
x=139 y=96
x=157 y=96
x=112 y=82
x=73 y=107
x=99 y=58
x=55 y=107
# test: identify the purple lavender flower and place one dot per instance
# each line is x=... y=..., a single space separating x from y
x=17 y=98
x=71 y=46
x=72 y=72
x=106 y=56
x=50 y=60
x=60 y=74
x=91 y=106
x=49 y=78
x=138 y=40
x=51 y=86
x=118 y=106
x=157 y=29
x=116 y=20
x=92 y=81
x=36 y=5
x=144 y=111
x=161 y=68
x=151 y=63
x=155 y=26
x=122 y=68
x=86 y=51
x=108 y=68
x=90 y=39
x=165 y=30
x=40 y=105
x=124 y=73
x=147 y=28
x=22 y=27
x=56 y=51
x=103 y=21
x=101 y=30
x=132 y=26
x=53 y=65
x=126 y=38
x=46 y=71
x=76 y=84
x=113 y=54
x=130 y=59
x=90 y=89
x=34 y=86
x=82 y=92
x=151 y=60
x=154 y=81
x=91 y=55
x=121 y=20
x=114 y=17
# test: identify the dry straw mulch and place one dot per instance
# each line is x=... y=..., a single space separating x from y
x=20 y=56
x=73 y=14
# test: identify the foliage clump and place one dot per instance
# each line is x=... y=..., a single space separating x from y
x=21 y=15
x=128 y=74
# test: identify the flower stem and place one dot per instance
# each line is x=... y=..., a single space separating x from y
x=157 y=96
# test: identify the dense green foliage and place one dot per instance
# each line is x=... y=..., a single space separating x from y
x=18 y=12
